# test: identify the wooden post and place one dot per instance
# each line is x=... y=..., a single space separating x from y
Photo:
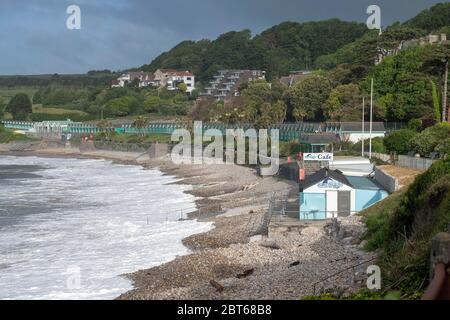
x=439 y=288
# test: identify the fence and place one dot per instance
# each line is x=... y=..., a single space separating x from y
x=287 y=131
x=413 y=162
x=404 y=161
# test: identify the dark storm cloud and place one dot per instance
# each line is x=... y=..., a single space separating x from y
x=118 y=34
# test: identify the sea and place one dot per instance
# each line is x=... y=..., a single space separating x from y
x=72 y=228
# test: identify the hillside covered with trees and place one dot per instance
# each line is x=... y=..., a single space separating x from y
x=278 y=50
x=408 y=85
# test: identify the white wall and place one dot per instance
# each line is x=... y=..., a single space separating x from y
x=358 y=136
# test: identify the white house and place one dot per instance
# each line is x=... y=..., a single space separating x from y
x=353 y=131
x=185 y=77
x=170 y=78
x=145 y=79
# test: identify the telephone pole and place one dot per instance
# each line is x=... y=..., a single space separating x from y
x=362 y=140
x=371 y=119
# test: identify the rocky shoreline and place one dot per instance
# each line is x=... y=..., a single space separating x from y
x=230 y=261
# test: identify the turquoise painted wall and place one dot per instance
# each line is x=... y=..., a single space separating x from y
x=313 y=206
x=367 y=198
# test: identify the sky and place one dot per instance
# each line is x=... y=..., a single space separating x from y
x=120 y=34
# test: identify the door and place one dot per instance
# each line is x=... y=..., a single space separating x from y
x=344 y=208
x=332 y=204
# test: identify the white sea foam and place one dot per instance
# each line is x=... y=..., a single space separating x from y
x=91 y=222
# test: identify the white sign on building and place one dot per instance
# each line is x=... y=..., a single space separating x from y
x=318 y=157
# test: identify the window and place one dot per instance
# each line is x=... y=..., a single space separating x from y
x=189 y=78
x=189 y=85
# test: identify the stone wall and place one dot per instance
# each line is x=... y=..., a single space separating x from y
x=388 y=182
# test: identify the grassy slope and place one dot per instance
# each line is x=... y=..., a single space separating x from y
x=403 y=225
x=7 y=93
x=38 y=108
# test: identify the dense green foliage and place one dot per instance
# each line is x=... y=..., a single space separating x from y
x=432 y=139
x=399 y=141
x=432 y=19
x=344 y=103
x=403 y=225
x=90 y=79
x=403 y=83
x=408 y=84
x=377 y=146
x=2 y=109
x=20 y=106
x=278 y=50
x=307 y=98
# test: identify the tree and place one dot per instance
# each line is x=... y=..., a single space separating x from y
x=344 y=104
x=203 y=109
x=105 y=128
x=431 y=138
x=436 y=102
x=2 y=109
x=182 y=87
x=399 y=141
x=307 y=98
x=141 y=123
x=20 y=106
x=152 y=104
x=402 y=85
x=120 y=107
x=262 y=104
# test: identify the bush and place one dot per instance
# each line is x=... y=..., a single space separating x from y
x=20 y=106
x=415 y=124
x=377 y=146
x=399 y=141
x=120 y=107
x=432 y=139
x=404 y=224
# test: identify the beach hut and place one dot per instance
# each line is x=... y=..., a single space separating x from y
x=329 y=194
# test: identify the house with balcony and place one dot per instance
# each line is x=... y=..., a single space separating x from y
x=225 y=83
x=145 y=79
x=168 y=78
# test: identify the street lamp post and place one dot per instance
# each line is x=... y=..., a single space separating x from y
x=444 y=96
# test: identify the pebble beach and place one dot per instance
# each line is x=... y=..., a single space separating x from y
x=231 y=261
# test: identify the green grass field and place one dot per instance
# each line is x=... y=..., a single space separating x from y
x=38 y=108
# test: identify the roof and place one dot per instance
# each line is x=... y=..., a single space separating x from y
x=173 y=72
x=319 y=138
x=321 y=175
x=364 y=183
